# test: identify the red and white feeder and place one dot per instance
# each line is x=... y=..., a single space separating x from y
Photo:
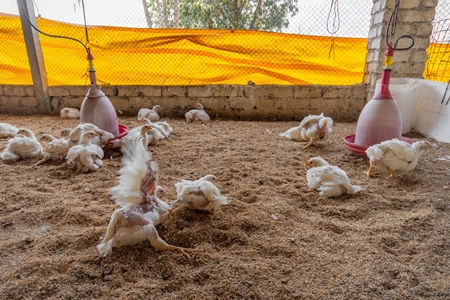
x=381 y=119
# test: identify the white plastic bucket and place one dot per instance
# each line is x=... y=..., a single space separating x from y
x=405 y=92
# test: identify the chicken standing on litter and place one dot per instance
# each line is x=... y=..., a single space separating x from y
x=69 y=113
x=395 y=156
x=140 y=209
x=23 y=145
x=7 y=130
x=197 y=114
x=55 y=149
x=200 y=194
x=151 y=114
x=330 y=181
x=85 y=156
x=311 y=129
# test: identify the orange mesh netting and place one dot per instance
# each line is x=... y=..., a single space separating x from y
x=128 y=56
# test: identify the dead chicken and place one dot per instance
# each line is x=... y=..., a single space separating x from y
x=330 y=181
x=311 y=129
x=140 y=208
x=201 y=195
x=151 y=114
x=395 y=156
x=197 y=114
x=23 y=145
x=85 y=156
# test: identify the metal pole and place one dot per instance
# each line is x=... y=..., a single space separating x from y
x=35 y=57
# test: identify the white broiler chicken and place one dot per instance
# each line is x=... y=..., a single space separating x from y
x=330 y=181
x=311 y=129
x=197 y=114
x=201 y=195
x=23 y=145
x=100 y=139
x=163 y=127
x=7 y=130
x=126 y=143
x=69 y=113
x=85 y=156
x=140 y=208
x=55 y=149
x=151 y=114
x=65 y=133
x=153 y=136
x=395 y=156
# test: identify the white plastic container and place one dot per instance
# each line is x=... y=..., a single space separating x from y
x=405 y=92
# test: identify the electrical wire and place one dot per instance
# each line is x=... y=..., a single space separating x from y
x=85 y=23
x=393 y=20
x=51 y=35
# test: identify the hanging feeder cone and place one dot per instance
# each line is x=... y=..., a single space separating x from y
x=381 y=119
x=96 y=107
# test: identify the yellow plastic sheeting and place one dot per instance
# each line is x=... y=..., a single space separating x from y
x=129 y=56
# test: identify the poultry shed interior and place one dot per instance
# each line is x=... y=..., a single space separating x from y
x=271 y=240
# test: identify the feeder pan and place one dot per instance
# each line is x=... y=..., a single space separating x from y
x=123 y=131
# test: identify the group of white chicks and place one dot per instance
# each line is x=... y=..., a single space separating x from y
x=137 y=193
x=391 y=156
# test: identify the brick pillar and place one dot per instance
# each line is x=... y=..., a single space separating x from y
x=414 y=18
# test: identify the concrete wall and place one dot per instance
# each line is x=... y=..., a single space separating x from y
x=342 y=103
x=414 y=18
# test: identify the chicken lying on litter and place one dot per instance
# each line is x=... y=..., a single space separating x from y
x=69 y=113
x=151 y=114
x=55 y=149
x=163 y=127
x=7 y=130
x=140 y=208
x=65 y=133
x=23 y=145
x=100 y=139
x=85 y=156
x=126 y=143
x=197 y=114
x=201 y=195
x=311 y=129
x=330 y=181
x=395 y=156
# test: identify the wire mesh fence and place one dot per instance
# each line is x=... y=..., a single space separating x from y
x=439 y=51
x=201 y=42
x=172 y=42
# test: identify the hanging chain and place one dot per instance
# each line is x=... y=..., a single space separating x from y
x=336 y=24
